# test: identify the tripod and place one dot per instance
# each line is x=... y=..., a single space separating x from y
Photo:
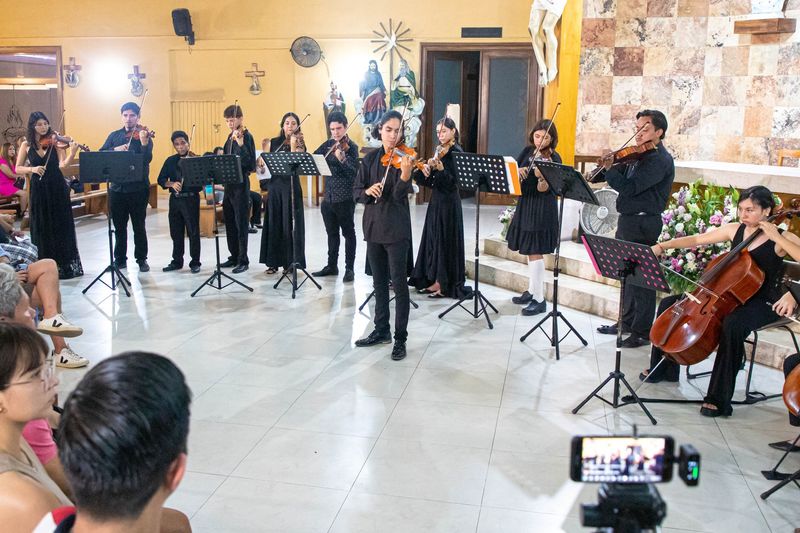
x=562 y=189
x=291 y=273
x=117 y=277
x=372 y=293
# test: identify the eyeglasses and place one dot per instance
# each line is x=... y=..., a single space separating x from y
x=47 y=373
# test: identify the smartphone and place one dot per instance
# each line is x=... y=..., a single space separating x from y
x=603 y=459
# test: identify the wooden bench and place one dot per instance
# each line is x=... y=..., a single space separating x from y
x=207 y=218
x=10 y=203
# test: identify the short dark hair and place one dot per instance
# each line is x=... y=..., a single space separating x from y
x=656 y=117
x=449 y=123
x=177 y=134
x=337 y=116
x=130 y=106
x=22 y=350
x=542 y=125
x=123 y=426
x=231 y=109
x=389 y=115
x=759 y=195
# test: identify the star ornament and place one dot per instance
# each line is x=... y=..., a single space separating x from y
x=392 y=40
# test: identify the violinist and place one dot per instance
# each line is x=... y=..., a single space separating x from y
x=277 y=239
x=52 y=225
x=439 y=270
x=184 y=206
x=534 y=229
x=767 y=251
x=129 y=200
x=387 y=229
x=236 y=201
x=644 y=186
x=338 y=207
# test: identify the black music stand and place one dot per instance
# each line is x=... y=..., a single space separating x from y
x=483 y=173
x=565 y=182
x=368 y=270
x=111 y=167
x=628 y=262
x=294 y=164
x=214 y=170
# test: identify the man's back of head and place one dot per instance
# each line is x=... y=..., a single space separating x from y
x=122 y=437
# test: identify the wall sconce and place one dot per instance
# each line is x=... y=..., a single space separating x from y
x=255 y=85
x=137 y=87
x=71 y=76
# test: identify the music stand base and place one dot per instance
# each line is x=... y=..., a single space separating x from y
x=120 y=280
x=372 y=294
x=617 y=376
x=479 y=300
x=291 y=275
x=217 y=276
x=554 y=338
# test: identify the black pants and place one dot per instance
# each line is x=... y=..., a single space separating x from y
x=133 y=206
x=639 y=303
x=339 y=216
x=236 y=211
x=388 y=261
x=788 y=365
x=736 y=327
x=255 y=209
x=184 y=218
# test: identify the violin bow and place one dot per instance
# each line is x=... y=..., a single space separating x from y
x=287 y=141
x=600 y=168
x=235 y=112
x=144 y=97
x=53 y=144
x=334 y=145
x=546 y=133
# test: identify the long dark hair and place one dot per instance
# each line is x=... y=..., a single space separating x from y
x=389 y=115
x=35 y=117
x=450 y=124
x=282 y=136
x=542 y=125
x=759 y=195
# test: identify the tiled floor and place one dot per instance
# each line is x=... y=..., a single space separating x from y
x=296 y=430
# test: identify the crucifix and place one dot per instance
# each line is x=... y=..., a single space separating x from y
x=71 y=76
x=255 y=86
x=137 y=87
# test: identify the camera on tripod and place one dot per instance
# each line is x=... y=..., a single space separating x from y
x=628 y=467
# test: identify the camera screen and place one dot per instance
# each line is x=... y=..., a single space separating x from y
x=625 y=459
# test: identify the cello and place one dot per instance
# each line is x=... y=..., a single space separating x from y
x=689 y=331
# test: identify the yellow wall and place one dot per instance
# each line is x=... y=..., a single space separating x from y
x=233 y=34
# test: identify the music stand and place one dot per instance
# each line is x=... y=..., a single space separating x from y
x=485 y=173
x=628 y=262
x=295 y=164
x=198 y=172
x=111 y=167
x=565 y=182
x=368 y=270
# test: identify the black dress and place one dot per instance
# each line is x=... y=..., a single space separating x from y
x=441 y=249
x=534 y=228
x=276 y=238
x=52 y=225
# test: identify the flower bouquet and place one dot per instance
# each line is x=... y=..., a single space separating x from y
x=505 y=218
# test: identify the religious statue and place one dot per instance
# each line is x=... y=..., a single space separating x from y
x=334 y=101
x=405 y=99
x=544 y=17
x=372 y=93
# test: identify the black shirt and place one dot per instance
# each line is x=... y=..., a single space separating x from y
x=118 y=138
x=645 y=185
x=339 y=185
x=171 y=171
x=389 y=220
x=247 y=158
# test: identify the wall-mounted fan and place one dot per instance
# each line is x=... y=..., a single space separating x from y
x=306 y=52
x=601 y=219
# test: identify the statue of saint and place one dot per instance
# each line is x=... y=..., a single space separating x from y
x=372 y=92
x=544 y=17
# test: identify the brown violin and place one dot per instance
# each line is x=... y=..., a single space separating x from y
x=59 y=141
x=393 y=158
x=138 y=128
x=690 y=330
x=622 y=156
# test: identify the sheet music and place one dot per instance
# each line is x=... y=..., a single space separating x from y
x=322 y=165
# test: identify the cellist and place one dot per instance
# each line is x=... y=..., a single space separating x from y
x=767 y=251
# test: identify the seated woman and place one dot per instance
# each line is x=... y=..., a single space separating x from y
x=767 y=250
x=8 y=175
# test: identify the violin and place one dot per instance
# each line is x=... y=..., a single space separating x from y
x=690 y=330
x=59 y=141
x=393 y=158
x=623 y=156
x=136 y=129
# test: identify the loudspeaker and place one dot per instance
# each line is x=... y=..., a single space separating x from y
x=182 y=23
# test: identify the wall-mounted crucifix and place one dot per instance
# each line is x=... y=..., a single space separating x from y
x=71 y=76
x=137 y=87
x=255 y=85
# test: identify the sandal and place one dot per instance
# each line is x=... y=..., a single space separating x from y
x=271 y=270
x=424 y=291
x=436 y=294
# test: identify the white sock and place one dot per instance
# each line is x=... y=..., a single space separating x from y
x=536 y=279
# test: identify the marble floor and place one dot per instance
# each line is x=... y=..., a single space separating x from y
x=296 y=430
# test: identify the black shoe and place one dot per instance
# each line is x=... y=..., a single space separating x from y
x=612 y=330
x=170 y=267
x=229 y=263
x=784 y=446
x=713 y=413
x=534 y=308
x=327 y=270
x=252 y=229
x=240 y=268
x=195 y=269
x=523 y=299
x=374 y=338
x=349 y=275
x=259 y=226
x=399 y=351
x=657 y=379
x=143 y=266
x=635 y=341
x=122 y=265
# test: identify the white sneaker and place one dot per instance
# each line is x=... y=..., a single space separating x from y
x=66 y=358
x=59 y=326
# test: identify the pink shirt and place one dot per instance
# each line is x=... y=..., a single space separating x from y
x=39 y=436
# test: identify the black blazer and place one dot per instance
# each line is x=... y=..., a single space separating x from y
x=387 y=221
